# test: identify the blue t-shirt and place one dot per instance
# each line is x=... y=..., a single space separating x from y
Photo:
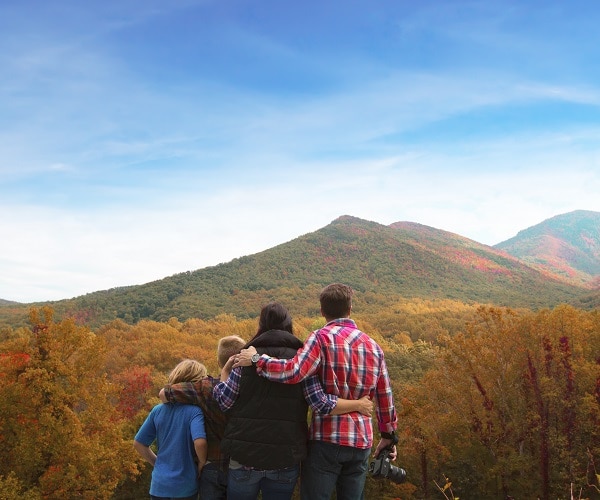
x=174 y=427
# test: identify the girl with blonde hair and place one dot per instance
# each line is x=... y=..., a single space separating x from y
x=189 y=370
x=180 y=436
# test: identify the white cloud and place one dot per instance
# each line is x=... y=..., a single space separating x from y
x=54 y=254
x=118 y=168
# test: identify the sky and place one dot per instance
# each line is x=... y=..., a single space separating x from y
x=143 y=138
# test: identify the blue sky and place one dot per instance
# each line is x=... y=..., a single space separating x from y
x=139 y=139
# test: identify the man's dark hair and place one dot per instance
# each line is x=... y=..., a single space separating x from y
x=336 y=300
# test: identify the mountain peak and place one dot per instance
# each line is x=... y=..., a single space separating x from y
x=551 y=263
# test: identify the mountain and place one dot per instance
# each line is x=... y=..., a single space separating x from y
x=567 y=245
x=382 y=263
x=4 y=302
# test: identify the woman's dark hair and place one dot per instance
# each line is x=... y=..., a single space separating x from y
x=274 y=316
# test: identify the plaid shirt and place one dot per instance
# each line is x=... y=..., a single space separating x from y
x=350 y=365
x=200 y=393
x=226 y=393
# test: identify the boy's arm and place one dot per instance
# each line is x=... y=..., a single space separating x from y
x=201 y=447
x=226 y=370
x=183 y=392
x=226 y=393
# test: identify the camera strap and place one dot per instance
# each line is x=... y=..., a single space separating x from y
x=390 y=435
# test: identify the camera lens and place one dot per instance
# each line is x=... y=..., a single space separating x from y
x=396 y=474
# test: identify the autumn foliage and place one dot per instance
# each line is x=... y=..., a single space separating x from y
x=60 y=434
x=493 y=403
x=510 y=408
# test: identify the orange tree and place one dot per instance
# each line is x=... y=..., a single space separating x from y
x=510 y=407
x=60 y=432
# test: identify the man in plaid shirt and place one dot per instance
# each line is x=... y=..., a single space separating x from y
x=350 y=365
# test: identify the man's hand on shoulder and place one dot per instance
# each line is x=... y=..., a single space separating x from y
x=244 y=358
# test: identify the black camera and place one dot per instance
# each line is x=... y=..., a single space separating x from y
x=381 y=467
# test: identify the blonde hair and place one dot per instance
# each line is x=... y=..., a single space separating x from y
x=228 y=346
x=189 y=370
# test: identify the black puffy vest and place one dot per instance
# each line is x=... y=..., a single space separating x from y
x=267 y=426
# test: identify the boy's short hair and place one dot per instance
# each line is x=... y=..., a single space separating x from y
x=228 y=346
x=336 y=300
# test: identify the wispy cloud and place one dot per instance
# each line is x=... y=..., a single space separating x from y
x=141 y=139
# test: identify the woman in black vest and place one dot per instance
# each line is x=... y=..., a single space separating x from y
x=267 y=431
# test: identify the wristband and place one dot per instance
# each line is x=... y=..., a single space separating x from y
x=390 y=435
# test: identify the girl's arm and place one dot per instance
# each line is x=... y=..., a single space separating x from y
x=145 y=452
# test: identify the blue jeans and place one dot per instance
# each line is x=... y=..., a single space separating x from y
x=213 y=482
x=330 y=466
x=152 y=497
x=244 y=484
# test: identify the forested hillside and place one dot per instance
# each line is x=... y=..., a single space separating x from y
x=493 y=403
x=382 y=264
x=568 y=244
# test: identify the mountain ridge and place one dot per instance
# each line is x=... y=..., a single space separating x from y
x=566 y=244
x=382 y=263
